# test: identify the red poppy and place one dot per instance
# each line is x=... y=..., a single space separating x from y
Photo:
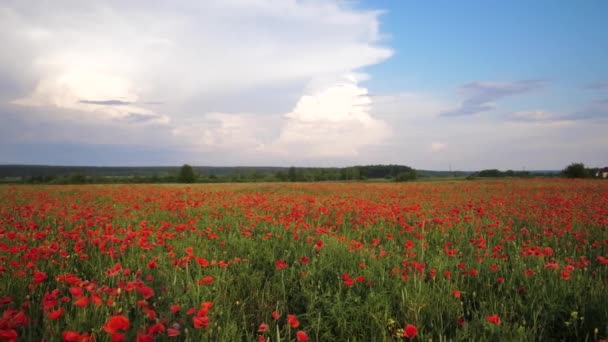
x=200 y=322
x=8 y=334
x=115 y=323
x=494 y=319
x=206 y=280
x=82 y=301
x=39 y=277
x=263 y=328
x=292 y=320
x=118 y=337
x=68 y=336
x=56 y=314
x=173 y=332
x=410 y=331
x=280 y=265
x=301 y=336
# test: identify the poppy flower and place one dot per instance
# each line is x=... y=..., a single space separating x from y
x=263 y=327
x=410 y=331
x=69 y=336
x=206 y=280
x=56 y=314
x=39 y=277
x=280 y=265
x=173 y=332
x=118 y=337
x=301 y=336
x=494 y=319
x=8 y=334
x=292 y=320
x=115 y=323
x=200 y=322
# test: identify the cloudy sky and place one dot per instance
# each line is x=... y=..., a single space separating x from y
x=471 y=84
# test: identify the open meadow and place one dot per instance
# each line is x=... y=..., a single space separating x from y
x=461 y=260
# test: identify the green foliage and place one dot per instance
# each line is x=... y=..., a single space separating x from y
x=495 y=173
x=186 y=174
x=575 y=170
x=291 y=174
x=405 y=176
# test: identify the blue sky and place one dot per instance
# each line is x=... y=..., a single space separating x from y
x=442 y=44
x=472 y=84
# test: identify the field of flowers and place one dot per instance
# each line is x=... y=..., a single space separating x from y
x=483 y=260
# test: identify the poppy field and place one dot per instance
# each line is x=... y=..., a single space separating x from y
x=511 y=260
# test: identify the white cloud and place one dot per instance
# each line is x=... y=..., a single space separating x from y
x=180 y=64
x=438 y=146
x=102 y=96
x=185 y=50
x=331 y=122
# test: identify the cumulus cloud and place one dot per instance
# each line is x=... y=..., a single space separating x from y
x=334 y=121
x=67 y=92
x=481 y=96
x=105 y=61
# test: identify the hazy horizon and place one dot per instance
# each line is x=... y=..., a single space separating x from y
x=463 y=85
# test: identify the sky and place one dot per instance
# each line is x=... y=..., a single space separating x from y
x=465 y=85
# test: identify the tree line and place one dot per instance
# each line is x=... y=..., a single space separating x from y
x=191 y=174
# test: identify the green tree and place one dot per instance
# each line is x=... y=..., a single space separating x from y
x=406 y=176
x=186 y=174
x=575 y=170
x=292 y=174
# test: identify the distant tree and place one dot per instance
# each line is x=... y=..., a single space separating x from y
x=280 y=176
x=490 y=173
x=292 y=174
x=77 y=178
x=186 y=174
x=406 y=176
x=575 y=170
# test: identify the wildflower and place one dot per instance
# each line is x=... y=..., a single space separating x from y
x=39 y=277
x=301 y=336
x=410 y=331
x=56 y=314
x=115 y=323
x=494 y=319
x=292 y=320
x=263 y=327
x=200 y=322
x=69 y=336
x=280 y=265
x=205 y=280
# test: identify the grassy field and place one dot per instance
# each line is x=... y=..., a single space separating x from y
x=508 y=260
